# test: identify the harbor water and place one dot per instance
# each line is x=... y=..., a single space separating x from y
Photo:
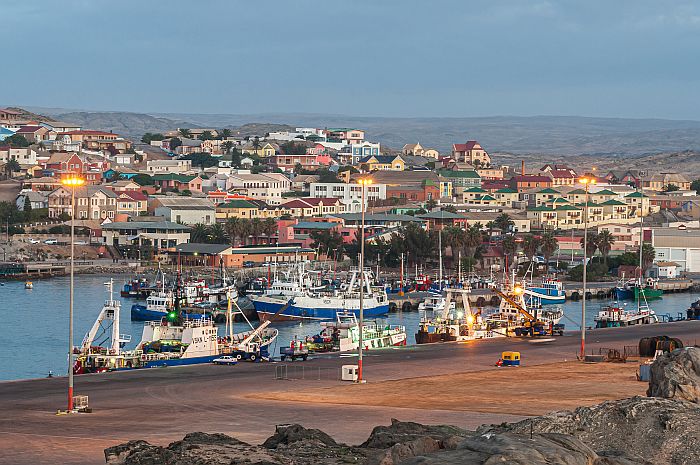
x=34 y=322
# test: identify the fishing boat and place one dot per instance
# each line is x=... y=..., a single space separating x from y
x=135 y=288
x=548 y=291
x=633 y=289
x=323 y=303
x=157 y=307
x=616 y=315
x=343 y=335
x=624 y=290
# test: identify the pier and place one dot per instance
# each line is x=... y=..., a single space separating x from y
x=161 y=405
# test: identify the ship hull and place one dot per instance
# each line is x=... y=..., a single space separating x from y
x=546 y=296
x=623 y=294
x=142 y=313
x=267 y=307
x=649 y=293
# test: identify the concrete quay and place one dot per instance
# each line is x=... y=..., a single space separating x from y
x=161 y=405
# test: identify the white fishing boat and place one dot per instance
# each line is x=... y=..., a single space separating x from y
x=344 y=333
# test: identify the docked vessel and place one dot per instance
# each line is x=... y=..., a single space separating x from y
x=548 y=291
x=136 y=288
x=633 y=289
x=343 y=335
x=306 y=302
x=616 y=315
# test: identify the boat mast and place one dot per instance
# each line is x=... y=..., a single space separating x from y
x=641 y=237
x=440 y=247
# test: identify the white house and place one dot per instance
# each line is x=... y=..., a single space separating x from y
x=267 y=187
x=187 y=210
x=168 y=166
x=349 y=194
x=680 y=245
x=664 y=270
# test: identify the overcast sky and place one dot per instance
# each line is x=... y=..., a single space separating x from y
x=636 y=58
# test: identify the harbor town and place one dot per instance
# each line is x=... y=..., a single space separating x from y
x=371 y=233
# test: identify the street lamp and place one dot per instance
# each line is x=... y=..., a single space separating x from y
x=72 y=181
x=587 y=182
x=363 y=183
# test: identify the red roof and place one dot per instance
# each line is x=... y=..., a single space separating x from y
x=317 y=201
x=495 y=184
x=28 y=129
x=562 y=174
x=11 y=112
x=531 y=178
x=297 y=203
x=464 y=147
x=135 y=195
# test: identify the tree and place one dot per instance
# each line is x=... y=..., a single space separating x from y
x=430 y=204
x=184 y=132
x=591 y=247
x=225 y=133
x=449 y=208
x=648 y=255
x=12 y=166
x=233 y=229
x=548 y=245
x=206 y=135
x=472 y=239
x=291 y=148
x=328 y=242
x=202 y=159
x=605 y=240
x=27 y=209
x=670 y=188
x=16 y=140
x=256 y=144
x=325 y=175
x=227 y=146
x=174 y=143
x=531 y=245
x=199 y=233
x=217 y=234
x=695 y=185
x=269 y=227
x=148 y=137
x=503 y=222
x=143 y=179
x=510 y=248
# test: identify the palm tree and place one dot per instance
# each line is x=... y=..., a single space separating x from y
x=648 y=255
x=590 y=249
x=472 y=239
x=217 y=234
x=244 y=231
x=503 y=222
x=548 y=245
x=430 y=204
x=269 y=227
x=530 y=245
x=510 y=247
x=12 y=166
x=225 y=133
x=233 y=229
x=199 y=233
x=184 y=132
x=255 y=229
x=605 y=241
x=227 y=146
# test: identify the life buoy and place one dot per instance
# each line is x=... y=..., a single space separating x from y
x=143 y=357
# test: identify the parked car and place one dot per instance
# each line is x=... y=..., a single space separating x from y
x=248 y=264
x=34 y=241
x=225 y=360
x=51 y=241
x=80 y=243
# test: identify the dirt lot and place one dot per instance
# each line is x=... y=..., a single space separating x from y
x=518 y=391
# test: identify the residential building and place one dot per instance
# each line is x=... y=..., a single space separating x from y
x=348 y=136
x=525 y=181
x=471 y=152
x=186 y=210
x=25 y=156
x=132 y=203
x=37 y=200
x=142 y=234
x=91 y=203
x=461 y=180
x=302 y=182
x=305 y=207
x=35 y=133
x=168 y=166
x=9 y=116
x=562 y=177
x=267 y=187
x=382 y=163
x=350 y=195
x=506 y=197
x=664 y=270
x=660 y=181
x=237 y=208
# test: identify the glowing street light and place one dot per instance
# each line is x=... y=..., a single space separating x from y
x=363 y=182
x=587 y=182
x=72 y=181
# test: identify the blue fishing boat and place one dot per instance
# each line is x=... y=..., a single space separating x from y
x=549 y=291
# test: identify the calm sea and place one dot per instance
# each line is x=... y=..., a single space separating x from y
x=34 y=323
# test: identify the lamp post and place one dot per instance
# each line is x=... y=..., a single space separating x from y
x=72 y=181
x=586 y=183
x=363 y=183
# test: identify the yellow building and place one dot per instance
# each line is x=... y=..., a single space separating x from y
x=237 y=209
x=382 y=163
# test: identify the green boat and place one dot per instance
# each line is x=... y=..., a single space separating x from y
x=647 y=293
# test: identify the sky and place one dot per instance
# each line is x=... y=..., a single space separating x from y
x=412 y=58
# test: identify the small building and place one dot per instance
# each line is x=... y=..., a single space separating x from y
x=185 y=210
x=156 y=234
x=664 y=270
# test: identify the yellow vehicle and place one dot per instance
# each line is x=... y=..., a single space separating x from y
x=510 y=359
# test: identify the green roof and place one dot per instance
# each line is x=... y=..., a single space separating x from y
x=559 y=200
x=237 y=203
x=565 y=207
x=636 y=195
x=541 y=208
x=605 y=192
x=590 y=204
x=459 y=174
x=577 y=191
x=613 y=202
x=507 y=190
x=548 y=190
x=475 y=189
x=485 y=197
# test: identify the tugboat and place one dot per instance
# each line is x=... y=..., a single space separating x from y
x=549 y=291
x=343 y=334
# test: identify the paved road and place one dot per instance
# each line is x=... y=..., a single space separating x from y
x=161 y=405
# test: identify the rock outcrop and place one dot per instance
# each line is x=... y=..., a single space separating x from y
x=676 y=375
x=653 y=429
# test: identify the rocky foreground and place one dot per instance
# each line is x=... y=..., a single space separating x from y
x=641 y=430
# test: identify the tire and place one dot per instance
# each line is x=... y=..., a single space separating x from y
x=392 y=307
x=283 y=358
x=406 y=307
x=303 y=357
x=253 y=357
x=239 y=357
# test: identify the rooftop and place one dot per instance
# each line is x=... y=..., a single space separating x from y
x=136 y=225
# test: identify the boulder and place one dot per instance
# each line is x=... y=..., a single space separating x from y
x=289 y=434
x=676 y=375
x=520 y=449
x=639 y=428
x=383 y=437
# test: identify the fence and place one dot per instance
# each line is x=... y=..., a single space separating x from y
x=302 y=372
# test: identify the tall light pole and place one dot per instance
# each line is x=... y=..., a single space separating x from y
x=363 y=183
x=72 y=181
x=586 y=183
